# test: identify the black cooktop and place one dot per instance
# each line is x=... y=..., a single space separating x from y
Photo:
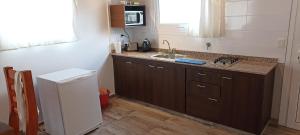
x=226 y=60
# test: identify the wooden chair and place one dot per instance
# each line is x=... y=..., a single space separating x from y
x=29 y=99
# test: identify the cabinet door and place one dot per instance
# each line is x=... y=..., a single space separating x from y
x=126 y=78
x=139 y=89
x=148 y=82
x=168 y=86
x=162 y=86
x=203 y=100
x=117 y=16
x=226 y=91
x=246 y=101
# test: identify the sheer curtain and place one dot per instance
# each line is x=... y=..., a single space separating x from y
x=25 y=23
x=212 y=18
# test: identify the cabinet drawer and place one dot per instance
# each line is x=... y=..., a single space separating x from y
x=203 y=109
x=203 y=76
x=204 y=100
x=126 y=60
x=203 y=90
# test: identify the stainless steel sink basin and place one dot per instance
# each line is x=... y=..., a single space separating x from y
x=167 y=57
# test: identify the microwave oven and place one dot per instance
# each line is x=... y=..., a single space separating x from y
x=135 y=16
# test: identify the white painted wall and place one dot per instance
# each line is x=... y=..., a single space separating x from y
x=91 y=51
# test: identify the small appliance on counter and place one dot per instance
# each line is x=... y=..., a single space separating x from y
x=133 y=46
x=145 y=46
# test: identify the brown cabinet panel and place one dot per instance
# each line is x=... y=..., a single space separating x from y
x=246 y=101
x=238 y=100
x=210 y=97
x=203 y=75
x=204 y=108
x=158 y=83
x=204 y=90
x=226 y=96
x=168 y=86
x=126 y=78
x=117 y=13
x=148 y=84
x=203 y=100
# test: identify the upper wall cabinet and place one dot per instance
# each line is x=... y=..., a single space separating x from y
x=117 y=16
x=125 y=15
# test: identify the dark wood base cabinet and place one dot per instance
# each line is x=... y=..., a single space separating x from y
x=157 y=83
x=239 y=100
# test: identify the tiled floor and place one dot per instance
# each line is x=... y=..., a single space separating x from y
x=125 y=117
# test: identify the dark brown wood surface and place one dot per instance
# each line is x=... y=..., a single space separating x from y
x=157 y=83
x=239 y=100
x=117 y=17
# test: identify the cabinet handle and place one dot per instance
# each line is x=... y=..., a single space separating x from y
x=151 y=66
x=160 y=67
x=213 y=99
x=227 y=78
x=201 y=86
x=201 y=74
x=128 y=62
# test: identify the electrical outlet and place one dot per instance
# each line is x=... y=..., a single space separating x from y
x=282 y=43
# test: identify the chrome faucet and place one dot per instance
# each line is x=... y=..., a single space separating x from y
x=171 y=52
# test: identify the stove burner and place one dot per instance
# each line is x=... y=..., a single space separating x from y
x=226 y=61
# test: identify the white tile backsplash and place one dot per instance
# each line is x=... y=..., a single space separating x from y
x=236 y=8
x=253 y=28
x=236 y=22
x=268 y=23
x=269 y=7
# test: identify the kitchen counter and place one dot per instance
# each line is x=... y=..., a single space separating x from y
x=253 y=65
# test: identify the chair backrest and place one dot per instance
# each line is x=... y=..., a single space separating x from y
x=29 y=99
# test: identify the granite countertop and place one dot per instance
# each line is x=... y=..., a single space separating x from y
x=253 y=65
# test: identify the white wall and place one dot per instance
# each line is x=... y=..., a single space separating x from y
x=91 y=51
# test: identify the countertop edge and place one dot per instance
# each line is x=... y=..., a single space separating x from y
x=186 y=64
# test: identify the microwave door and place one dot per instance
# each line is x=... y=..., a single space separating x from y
x=133 y=18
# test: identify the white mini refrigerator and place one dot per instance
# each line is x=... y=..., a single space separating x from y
x=70 y=101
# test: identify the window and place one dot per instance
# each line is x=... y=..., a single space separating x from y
x=179 y=12
x=205 y=18
x=25 y=23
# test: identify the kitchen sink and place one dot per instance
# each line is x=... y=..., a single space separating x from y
x=167 y=57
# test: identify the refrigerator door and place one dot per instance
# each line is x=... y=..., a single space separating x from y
x=80 y=104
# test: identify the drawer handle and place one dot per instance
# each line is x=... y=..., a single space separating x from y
x=151 y=66
x=128 y=62
x=160 y=67
x=201 y=74
x=201 y=86
x=227 y=78
x=213 y=99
